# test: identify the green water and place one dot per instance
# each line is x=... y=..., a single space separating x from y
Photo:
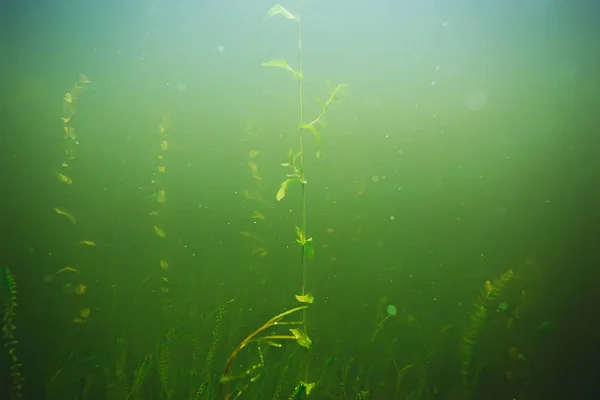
x=450 y=199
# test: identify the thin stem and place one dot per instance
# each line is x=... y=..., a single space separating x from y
x=276 y=320
x=301 y=118
x=318 y=118
x=302 y=176
x=278 y=337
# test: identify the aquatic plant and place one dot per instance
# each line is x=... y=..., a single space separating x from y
x=391 y=311
x=253 y=373
x=400 y=374
x=253 y=193
x=70 y=146
x=139 y=377
x=9 y=339
x=164 y=362
x=158 y=182
x=491 y=290
x=295 y=161
x=210 y=356
x=296 y=175
x=424 y=370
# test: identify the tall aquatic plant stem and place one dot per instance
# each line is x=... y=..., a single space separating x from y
x=302 y=175
x=295 y=163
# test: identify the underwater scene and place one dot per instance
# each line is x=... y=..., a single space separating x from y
x=318 y=199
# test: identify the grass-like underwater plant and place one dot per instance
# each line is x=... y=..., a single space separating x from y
x=491 y=290
x=9 y=339
x=253 y=373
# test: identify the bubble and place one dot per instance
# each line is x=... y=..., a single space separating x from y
x=476 y=100
x=392 y=218
x=375 y=178
x=391 y=310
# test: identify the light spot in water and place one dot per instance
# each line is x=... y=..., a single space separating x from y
x=375 y=178
x=476 y=100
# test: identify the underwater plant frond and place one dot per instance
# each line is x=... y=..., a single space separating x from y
x=334 y=97
x=9 y=334
x=255 y=337
x=491 y=290
x=296 y=164
x=278 y=9
x=139 y=377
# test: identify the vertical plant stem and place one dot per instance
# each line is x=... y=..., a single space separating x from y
x=302 y=176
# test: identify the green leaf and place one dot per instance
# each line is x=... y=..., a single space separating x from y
x=300 y=234
x=334 y=92
x=283 y=188
x=301 y=337
x=278 y=9
x=281 y=63
x=307 y=298
x=309 y=250
x=308 y=387
x=318 y=137
x=303 y=390
x=278 y=62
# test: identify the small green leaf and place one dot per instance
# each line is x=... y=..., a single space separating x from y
x=318 y=137
x=301 y=337
x=283 y=188
x=309 y=250
x=334 y=92
x=302 y=390
x=307 y=298
x=308 y=387
x=278 y=9
x=278 y=62
x=300 y=234
x=281 y=63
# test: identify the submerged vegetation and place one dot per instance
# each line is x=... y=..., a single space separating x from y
x=295 y=163
x=189 y=346
x=9 y=335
